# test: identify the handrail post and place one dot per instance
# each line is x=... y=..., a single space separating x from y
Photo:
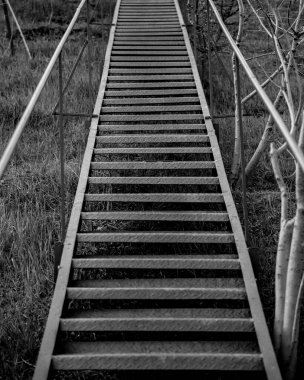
x=209 y=61
x=195 y=29
x=243 y=164
x=103 y=38
x=19 y=28
x=9 y=33
x=89 y=53
x=61 y=137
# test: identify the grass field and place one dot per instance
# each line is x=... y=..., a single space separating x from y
x=29 y=192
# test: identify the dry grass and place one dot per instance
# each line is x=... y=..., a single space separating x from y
x=29 y=192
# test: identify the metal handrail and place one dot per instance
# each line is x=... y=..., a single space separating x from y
x=27 y=113
x=294 y=148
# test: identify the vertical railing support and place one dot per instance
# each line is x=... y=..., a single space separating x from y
x=243 y=164
x=58 y=248
x=89 y=39
x=103 y=38
x=210 y=74
x=61 y=143
x=19 y=28
x=9 y=34
x=195 y=29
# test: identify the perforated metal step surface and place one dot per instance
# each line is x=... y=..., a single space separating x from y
x=155 y=275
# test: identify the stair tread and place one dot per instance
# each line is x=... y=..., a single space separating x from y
x=132 y=150
x=155 y=197
x=161 y=313
x=135 y=323
x=158 y=138
x=158 y=237
x=162 y=283
x=148 y=108
x=152 y=262
x=146 y=101
x=158 y=215
x=161 y=165
x=156 y=180
x=161 y=361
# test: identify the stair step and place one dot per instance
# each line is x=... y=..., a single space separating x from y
x=163 y=92
x=152 y=85
x=155 y=117
x=201 y=216
x=149 y=43
x=155 y=180
x=134 y=323
x=150 y=127
x=148 y=27
x=150 y=59
x=157 y=165
x=154 y=262
x=152 y=358
x=166 y=39
x=146 y=101
x=148 y=33
x=148 y=48
x=162 y=313
x=157 y=293
x=149 y=109
x=158 y=237
x=151 y=65
x=156 y=197
x=149 y=53
x=196 y=150
x=152 y=138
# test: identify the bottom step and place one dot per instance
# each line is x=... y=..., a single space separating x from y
x=209 y=356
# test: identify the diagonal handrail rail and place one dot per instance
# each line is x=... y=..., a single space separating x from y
x=294 y=148
x=27 y=112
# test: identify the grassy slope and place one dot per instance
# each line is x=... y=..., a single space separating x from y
x=29 y=192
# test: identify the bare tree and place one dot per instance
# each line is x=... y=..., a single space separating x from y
x=282 y=22
x=286 y=38
x=290 y=253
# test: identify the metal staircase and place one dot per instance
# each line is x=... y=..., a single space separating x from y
x=155 y=275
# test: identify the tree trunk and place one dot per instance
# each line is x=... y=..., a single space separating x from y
x=264 y=142
x=295 y=268
x=236 y=163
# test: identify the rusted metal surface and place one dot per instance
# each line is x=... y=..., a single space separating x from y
x=154 y=222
